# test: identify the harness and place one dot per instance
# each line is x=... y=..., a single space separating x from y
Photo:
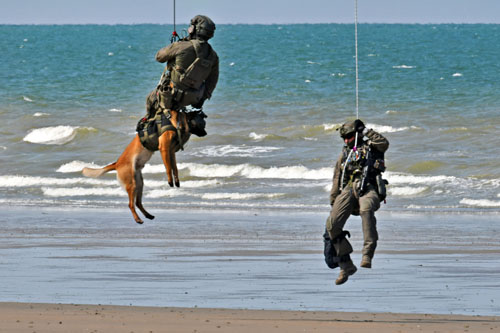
x=149 y=130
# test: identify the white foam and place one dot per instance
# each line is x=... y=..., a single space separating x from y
x=54 y=135
x=29 y=181
x=406 y=191
x=252 y=171
x=307 y=81
x=232 y=64
x=115 y=110
x=232 y=150
x=389 y=129
x=457 y=75
x=3 y=147
x=27 y=99
x=40 y=114
x=257 y=137
x=168 y=193
x=404 y=66
x=111 y=54
x=287 y=172
x=82 y=191
x=240 y=196
x=391 y=112
x=77 y=166
x=400 y=178
x=329 y=127
x=480 y=202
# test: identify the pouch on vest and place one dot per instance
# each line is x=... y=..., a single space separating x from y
x=148 y=133
x=198 y=71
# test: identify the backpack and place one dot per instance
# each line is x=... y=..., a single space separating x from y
x=194 y=76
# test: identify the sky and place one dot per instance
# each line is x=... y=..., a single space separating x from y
x=248 y=11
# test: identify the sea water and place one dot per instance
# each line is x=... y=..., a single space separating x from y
x=71 y=96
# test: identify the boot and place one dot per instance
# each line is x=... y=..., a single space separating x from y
x=346 y=269
x=366 y=262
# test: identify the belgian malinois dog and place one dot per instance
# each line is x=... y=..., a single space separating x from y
x=131 y=162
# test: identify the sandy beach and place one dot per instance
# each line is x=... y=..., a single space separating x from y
x=263 y=270
x=55 y=318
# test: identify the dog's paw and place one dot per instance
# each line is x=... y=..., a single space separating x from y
x=171 y=183
x=149 y=216
x=177 y=183
x=139 y=221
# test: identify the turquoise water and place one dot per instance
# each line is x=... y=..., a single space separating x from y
x=71 y=96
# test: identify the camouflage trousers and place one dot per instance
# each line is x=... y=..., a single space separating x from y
x=348 y=202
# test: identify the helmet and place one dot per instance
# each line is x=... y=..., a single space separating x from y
x=202 y=26
x=347 y=129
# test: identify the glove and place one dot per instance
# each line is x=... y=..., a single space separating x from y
x=359 y=126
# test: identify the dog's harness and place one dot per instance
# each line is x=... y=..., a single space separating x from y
x=151 y=129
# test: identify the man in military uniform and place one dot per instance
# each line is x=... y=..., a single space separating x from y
x=357 y=189
x=192 y=69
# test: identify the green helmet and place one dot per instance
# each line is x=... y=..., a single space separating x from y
x=202 y=26
x=347 y=129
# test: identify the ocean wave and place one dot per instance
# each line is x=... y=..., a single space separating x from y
x=406 y=191
x=29 y=181
x=260 y=137
x=232 y=150
x=480 y=203
x=404 y=66
x=255 y=172
x=82 y=191
x=240 y=196
x=41 y=114
x=115 y=110
x=375 y=127
x=27 y=99
x=77 y=166
x=166 y=193
x=54 y=135
x=401 y=178
x=457 y=75
x=390 y=129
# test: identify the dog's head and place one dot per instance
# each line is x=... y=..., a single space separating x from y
x=196 y=123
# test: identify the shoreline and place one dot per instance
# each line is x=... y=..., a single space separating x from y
x=55 y=318
x=440 y=264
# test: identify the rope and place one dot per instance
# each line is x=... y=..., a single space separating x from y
x=356 y=51
x=356 y=56
x=175 y=36
x=174 y=16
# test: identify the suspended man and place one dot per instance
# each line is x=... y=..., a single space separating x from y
x=357 y=189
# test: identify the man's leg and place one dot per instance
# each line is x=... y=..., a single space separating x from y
x=368 y=204
x=341 y=210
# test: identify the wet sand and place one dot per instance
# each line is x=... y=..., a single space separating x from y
x=425 y=265
x=55 y=318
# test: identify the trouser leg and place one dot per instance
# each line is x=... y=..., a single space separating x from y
x=341 y=210
x=368 y=204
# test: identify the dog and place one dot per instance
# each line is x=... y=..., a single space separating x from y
x=131 y=162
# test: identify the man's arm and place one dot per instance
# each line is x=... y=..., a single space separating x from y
x=376 y=140
x=212 y=79
x=334 y=192
x=167 y=53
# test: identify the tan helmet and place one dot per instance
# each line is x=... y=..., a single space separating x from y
x=347 y=129
x=202 y=26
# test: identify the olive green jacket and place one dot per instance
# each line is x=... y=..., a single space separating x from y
x=181 y=55
x=375 y=141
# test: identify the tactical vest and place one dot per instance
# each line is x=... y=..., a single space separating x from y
x=354 y=167
x=199 y=70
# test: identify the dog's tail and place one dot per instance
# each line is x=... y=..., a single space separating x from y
x=95 y=173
